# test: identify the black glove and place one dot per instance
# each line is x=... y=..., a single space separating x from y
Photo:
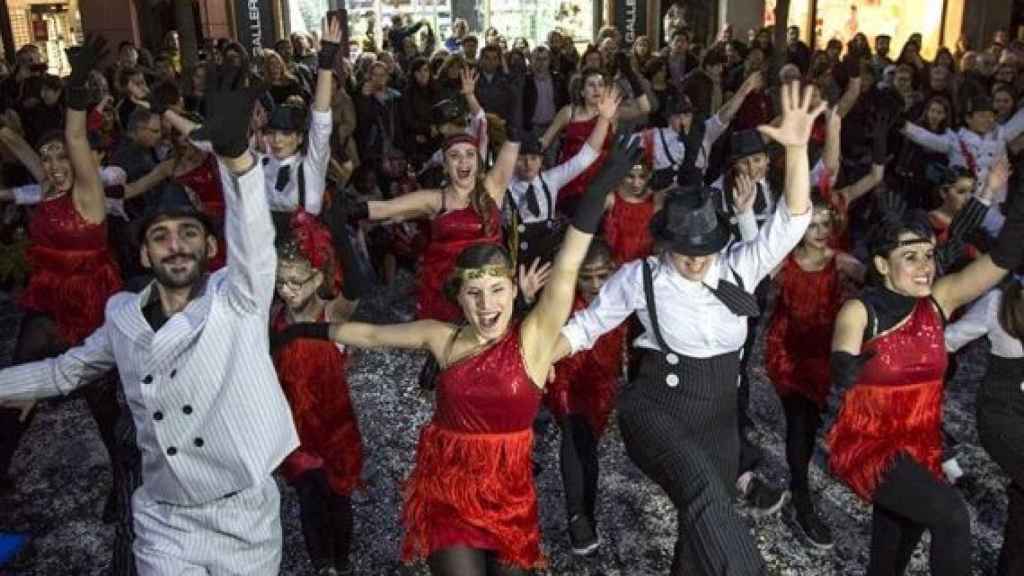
x=1007 y=252
x=844 y=370
x=327 y=55
x=83 y=62
x=622 y=156
x=688 y=174
x=229 y=107
x=891 y=206
x=358 y=212
x=311 y=330
x=880 y=143
x=354 y=284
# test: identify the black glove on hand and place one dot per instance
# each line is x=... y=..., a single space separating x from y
x=1007 y=252
x=311 y=330
x=844 y=369
x=890 y=205
x=83 y=62
x=229 y=107
x=880 y=143
x=622 y=156
x=688 y=174
x=354 y=284
x=328 y=53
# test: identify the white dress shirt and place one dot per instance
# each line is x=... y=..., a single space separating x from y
x=983 y=320
x=314 y=163
x=655 y=140
x=209 y=413
x=555 y=178
x=692 y=319
x=30 y=194
x=764 y=190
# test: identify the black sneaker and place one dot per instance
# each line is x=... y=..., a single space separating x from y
x=764 y=500
x=816 y=532
x=582 y=536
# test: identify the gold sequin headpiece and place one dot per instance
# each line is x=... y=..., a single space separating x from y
x=494 y=270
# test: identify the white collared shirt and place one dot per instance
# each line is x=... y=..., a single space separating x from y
x=665 y=137
x=209 y=412
x=314 y=163
x=555 y=178
x=693 y=321
x=983 y=320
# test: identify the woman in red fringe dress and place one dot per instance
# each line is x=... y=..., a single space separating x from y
x=582 y=397
x=326 y=468
x=888 y=350
x=196 y=170
x=470 y=503
x=811 y=285
x=628 y=217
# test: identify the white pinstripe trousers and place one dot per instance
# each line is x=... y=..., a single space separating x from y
x=239 y=535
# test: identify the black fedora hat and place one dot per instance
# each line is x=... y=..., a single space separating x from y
x=688 y=223
x=171 y=200
x=746 y=143
x=531 y=145
x=979 y=103
x=288 y=119
x=448 y=110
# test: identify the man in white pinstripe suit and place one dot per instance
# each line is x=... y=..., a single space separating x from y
x=212 y=422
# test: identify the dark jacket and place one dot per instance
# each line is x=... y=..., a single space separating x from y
x=501 y=95
x=378 y=124
x=561 y=93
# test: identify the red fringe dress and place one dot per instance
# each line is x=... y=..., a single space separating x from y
x=896 y=405
x=204 y=180
x=574 y=136
x=450 y=233
x=626 y=228
x=73 y=271
x=473 y=481
x=799 y=337
x=587 y=383
x=312 y=375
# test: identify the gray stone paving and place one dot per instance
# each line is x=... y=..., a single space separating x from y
x=63 y=478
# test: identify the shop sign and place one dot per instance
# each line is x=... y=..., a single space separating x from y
x=631 y=19
x=255 y=23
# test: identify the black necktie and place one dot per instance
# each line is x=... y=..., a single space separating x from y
x=737 y=300
x=532 y=204
x=284 y=174
x=760 y=203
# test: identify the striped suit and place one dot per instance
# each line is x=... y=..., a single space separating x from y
x=211 y=420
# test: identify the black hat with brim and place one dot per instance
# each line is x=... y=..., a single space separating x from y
x=746 y=143
x=172 y=200
x=288 y=119
x=688 y=223
x=531 y=145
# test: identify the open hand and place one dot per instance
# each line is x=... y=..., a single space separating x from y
x=797 y=117
x=743 y=194
x=229 y=105
x=998 y=176
x=469 y=77
x=331 y=30
x=533 y=279
x=608 y=106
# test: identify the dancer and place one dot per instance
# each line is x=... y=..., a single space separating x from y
x=888 y=351
x=192 y=353
x=1000 y=406
x=679 y=417
x=626 y=225
x=470 y=505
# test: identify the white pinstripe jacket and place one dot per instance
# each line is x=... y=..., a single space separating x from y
x=209 y=412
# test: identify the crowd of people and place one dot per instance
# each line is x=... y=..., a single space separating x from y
x=591 y=234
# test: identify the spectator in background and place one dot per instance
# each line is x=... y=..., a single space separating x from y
x=302 y=49
x=544 y=92
x=280 y=81
x=449 y=77
x=460 y=28
x=470 y=43
x=378 y=128
x=409 y=50
x=285 y=50
x=881 y=57
x=641 y=53
x=416 y=108
x=797 y=51
x=172 y=48
x=163 y=69
x=47 y=116
x=134 y=89
x=499 y=92
x=20 y=90
x=680 y=61
x=704 y=85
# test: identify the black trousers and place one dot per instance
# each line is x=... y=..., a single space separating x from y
x=579 y=464
x=803 y=418
x=753 y=330
x=908 y=501
x=1000 y=417
x=326 y=520
x=678 y=423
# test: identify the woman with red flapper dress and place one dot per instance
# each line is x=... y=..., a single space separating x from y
x=626 y=224
x=470 y=504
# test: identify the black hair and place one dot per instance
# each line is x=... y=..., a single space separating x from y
x=475 y=256
x=1011 y=309
x=886 y=237
x=599 y=251
x=51 y=82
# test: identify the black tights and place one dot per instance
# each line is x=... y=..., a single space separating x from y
x=908 y=501
x=326 y=519
x=803 y=418
x=578 y=458
x=462 y=561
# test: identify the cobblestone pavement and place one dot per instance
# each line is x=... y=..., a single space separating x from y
x=63 y=477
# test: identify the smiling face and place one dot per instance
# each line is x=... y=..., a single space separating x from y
x=297 y=282
x=593 y=274
x=909 y=269
x=634 y=185
x=487 y=304
x=982 y=122
x=283 y=143
x=693 y=268
x=57 y=165
x=177 y=250
x=820 y=230
x=528 y=166
x=462 y=163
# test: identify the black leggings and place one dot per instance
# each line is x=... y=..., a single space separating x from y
x=326 y=519
x=803 y=418
x=462 y=561
x=578 y=457
x=908 y=501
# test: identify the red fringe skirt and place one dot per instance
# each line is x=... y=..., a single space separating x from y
x=473 y=490
x=877 y=423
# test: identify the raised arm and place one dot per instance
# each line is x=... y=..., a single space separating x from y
x=852 y=93
x=936 y=142
x=541 y=328
x=830 y=155
x=728 y=110
x=24 y=153
x=318 y=150
x=418 y=204
x=560 y=121
x=562 y=174
x=88 y=190
x=158 y=174
x=797 y=120
x=180 y=123
x=976 y=323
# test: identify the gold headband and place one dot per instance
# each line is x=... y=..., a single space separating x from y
x=51 y=147
x=495 y=270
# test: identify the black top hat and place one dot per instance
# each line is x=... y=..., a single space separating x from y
x=746 y=143
x=448 y=110
x=288 y=119
x=688 y=223
x=979 y=103
x=531 y=145
x=172 y=200
x=678 y=103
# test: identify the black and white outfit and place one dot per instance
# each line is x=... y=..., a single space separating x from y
x=678 y=418
x=1000 y=413
x=530 y=208
x=666 y=149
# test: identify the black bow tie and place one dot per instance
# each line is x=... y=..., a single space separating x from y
x=284 y=175
x=737 y=300
x=532 y=204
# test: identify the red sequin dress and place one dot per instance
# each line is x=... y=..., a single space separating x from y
x=73 y=270
x=574 y=136
x=312 y=375
x=799 y=337
x=450 y=233
x=204 y=180
x=473 y=481
x=627 y=229
x=896 y=405
x=587 y=383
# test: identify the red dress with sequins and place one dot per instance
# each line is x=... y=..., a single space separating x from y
x=587 y=383
x=627 y=229
x=574 y=136
x=73 y=270
x=204 y=180
x=473 y=481
x=895 y=407
x=450 y=233
x=799 y=338
x=312 y=375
